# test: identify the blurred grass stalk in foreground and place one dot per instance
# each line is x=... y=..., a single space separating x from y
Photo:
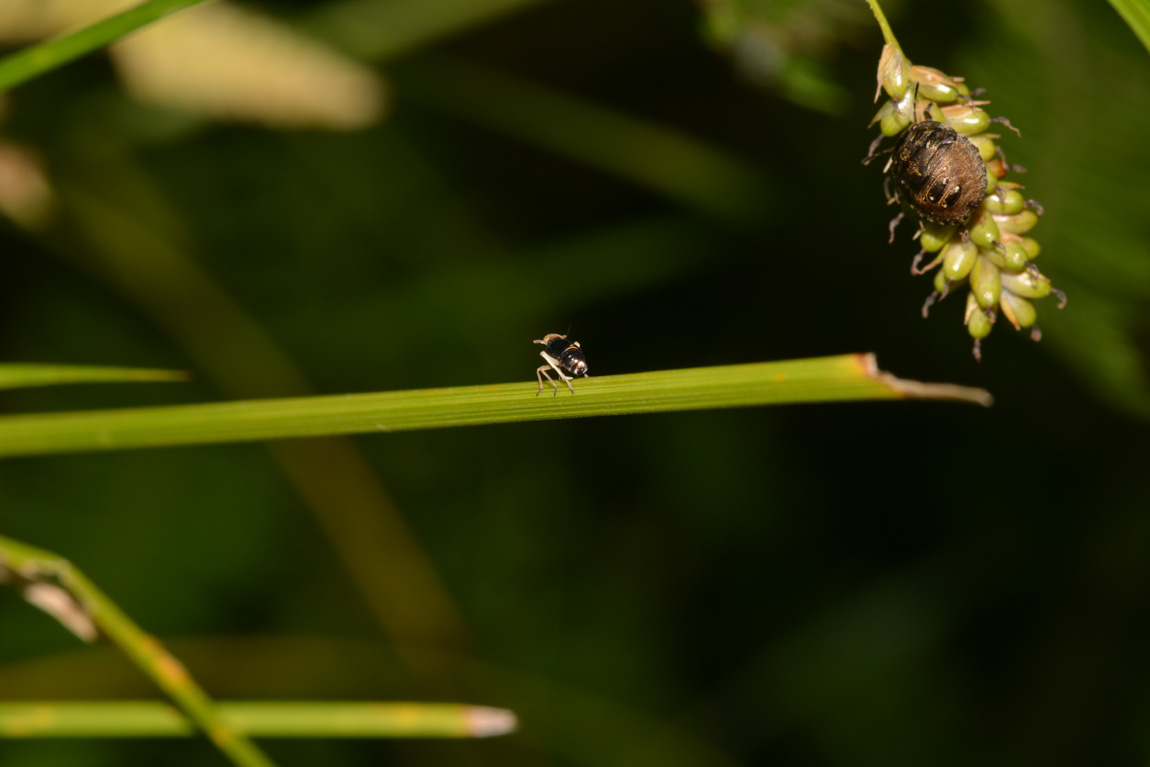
x=54 y=585
x=268 y=719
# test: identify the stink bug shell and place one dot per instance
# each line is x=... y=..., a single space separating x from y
x=939 y=173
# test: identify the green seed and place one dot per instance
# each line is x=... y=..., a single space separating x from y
x=985 y=282
x=984 y=230
x=941 y=283
x=1020 y=312
x=985 y=146
x=1032 y=247
x=934 y=85
x=1026 y=284
x=893 y=72
x=1019 y=223
x=966 y=119
x=1014 y=256
x=934 y=112
x=1004 y=202
x=934 y=236
x=994 y=256
x=978 y=322
x=893 y=122
x=958 y=259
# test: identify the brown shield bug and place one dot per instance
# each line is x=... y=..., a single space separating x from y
x=938 y=172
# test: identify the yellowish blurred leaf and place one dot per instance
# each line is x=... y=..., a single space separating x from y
x=25 y=194
x=221 y=61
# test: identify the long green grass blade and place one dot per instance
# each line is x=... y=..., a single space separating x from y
x=21 y=375
x=1137 y=15
x=296 y=719
x=827 y=379
x=31 y=62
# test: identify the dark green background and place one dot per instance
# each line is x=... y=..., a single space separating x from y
x=894 y=583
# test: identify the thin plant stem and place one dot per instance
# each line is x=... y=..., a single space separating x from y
x=827 y=379
x=269 y=719
x=887 y=32
x=35 y=60
x=53 y=584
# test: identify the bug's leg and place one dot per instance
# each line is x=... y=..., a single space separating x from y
x=559 y=371
x=890 y=194
x=554 y=365
x=893 y=223
x=873 y=151
x=542 y=371
x=918 y=260
x=1006 y=122
x=929 y=303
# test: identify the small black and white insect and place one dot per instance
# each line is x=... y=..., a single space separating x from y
x=560 y=355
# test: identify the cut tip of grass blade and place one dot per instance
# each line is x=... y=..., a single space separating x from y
x=920 y=390
x=487 y=722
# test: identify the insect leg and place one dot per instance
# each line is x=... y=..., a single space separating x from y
x=553 y=364
x=542 y=371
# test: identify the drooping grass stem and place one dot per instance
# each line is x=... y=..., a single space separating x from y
x=887 y=32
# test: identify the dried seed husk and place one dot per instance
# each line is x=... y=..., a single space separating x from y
x=996 y=167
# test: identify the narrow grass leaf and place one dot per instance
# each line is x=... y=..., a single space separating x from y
x=34 y=61
x=827 y=379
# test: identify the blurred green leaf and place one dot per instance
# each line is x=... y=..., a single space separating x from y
x=13 y=376
x=650 y=154
x=56 y=586
x=1137 y=15
x=381 y=29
